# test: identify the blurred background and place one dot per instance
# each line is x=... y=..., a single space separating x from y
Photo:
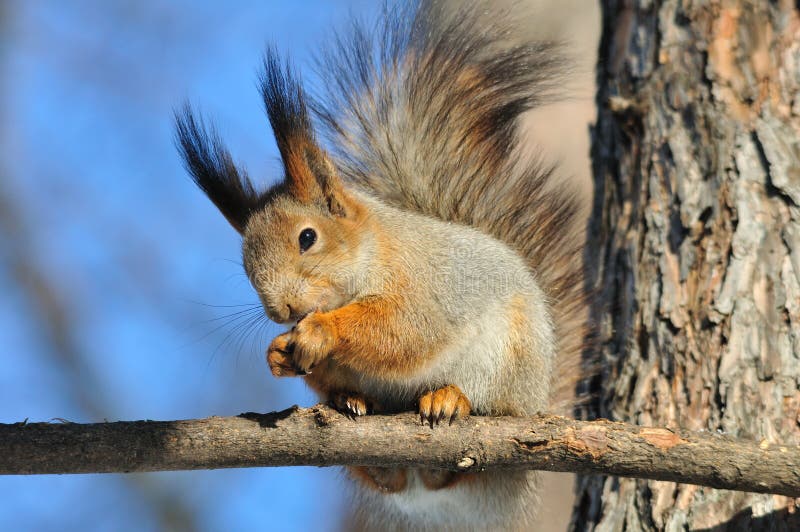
x=121 y=290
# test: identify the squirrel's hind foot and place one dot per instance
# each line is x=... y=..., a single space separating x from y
x=352 y=404
x=445 y=403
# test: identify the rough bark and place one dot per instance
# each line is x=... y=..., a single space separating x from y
x=321 y=436
x=697 y=233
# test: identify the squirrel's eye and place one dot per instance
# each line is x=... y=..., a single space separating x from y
x=307 y=238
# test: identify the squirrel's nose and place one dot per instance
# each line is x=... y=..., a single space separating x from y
x=285 y=312
x=279 y=314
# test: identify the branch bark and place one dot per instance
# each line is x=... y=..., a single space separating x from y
x=321 y=436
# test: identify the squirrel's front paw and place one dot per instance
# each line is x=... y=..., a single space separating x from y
x=314 y=337
x=279 y=356
x=445 y=403
x=299 y=350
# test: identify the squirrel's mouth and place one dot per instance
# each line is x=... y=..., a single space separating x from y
x=291 y=314
x=296 y=317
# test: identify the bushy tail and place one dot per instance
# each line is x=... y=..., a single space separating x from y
x=426 y=116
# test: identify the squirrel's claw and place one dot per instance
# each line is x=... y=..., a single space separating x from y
x=351 y=404
x=448 y=402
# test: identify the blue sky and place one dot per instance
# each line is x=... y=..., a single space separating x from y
x=116 y=274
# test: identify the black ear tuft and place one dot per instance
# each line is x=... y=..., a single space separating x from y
x=310 y=176
x=284 y=102
x=213 y=170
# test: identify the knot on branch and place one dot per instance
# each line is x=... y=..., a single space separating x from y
x=323 y=415
x=466 y=463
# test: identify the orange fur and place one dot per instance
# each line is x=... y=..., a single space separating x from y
x=373 y=337
x=383 y=479
x=370 y=337
x=302 y=182
x=447 y=403
x=438 y=479
x=330 y=378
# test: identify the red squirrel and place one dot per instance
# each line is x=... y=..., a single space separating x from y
x=422 y=259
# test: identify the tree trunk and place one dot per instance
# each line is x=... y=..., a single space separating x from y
x=697 y=231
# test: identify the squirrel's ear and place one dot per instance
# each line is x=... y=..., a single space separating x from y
x=310 y=176
x=213 y=170
x=330 y=185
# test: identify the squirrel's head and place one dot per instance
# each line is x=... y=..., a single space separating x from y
x=308 y=247
x=306 y=243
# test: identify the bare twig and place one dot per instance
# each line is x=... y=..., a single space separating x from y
x=322 y=437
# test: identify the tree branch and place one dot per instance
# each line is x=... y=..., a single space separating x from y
x=321 y=436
